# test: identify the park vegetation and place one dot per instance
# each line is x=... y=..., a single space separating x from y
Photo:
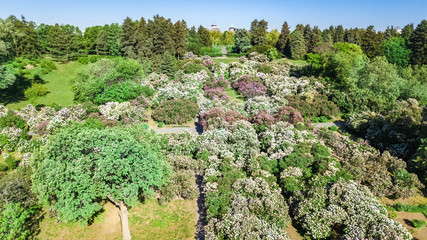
x=261 y=159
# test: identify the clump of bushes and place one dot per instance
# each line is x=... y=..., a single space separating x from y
x=250 y=86
x=217 y=117
x=418 y=223
x=176 y=111
x=315 y=106
x=122 y=92
x=35 y=91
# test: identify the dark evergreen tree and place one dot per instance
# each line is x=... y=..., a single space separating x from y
x=284 y=37
x=204 y=36
x=159 y=30
x=298 y=48
x=101 y=43
x=419 y=44
x=129 y=38
x=194 y=44
x=143 y=44
x=180 y=38
x=242 y=43
x=371 y=42
x=26 y=42
x=113 y=39
x=89 y=39
x=390 y=32
x=339 y=34
x=316 y=39
x=307 y=37
x=407 y=32
x=258 y=31
x=43 y=37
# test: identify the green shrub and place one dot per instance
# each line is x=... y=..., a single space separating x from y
x=262 y=49
x=3 y=168
x=12 y=120
x=273 y=54
x=122 y=92
x=11 y=162
x=176 y=111
x=94 y=58
x=160 y=125
x=323 y=119
x=48 y=65
x=93 y=123
x=264 y=68
x=35 y=91
x=194 y=67
x=317 y=106
x=83 y=60
x=333 y=128
x=418 y=223
x=212 y=52
x=392 y=214
x=411 y=208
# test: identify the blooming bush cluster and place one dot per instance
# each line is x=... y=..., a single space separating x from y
x=178 y=90
x=238 y=69
x=156 y=80
x=345 y=207
x=176 y=111
x=250 y=87
x=384 y=174
x=218 y=118
x=124 y=111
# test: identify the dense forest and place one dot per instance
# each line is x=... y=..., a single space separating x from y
x=310 y=133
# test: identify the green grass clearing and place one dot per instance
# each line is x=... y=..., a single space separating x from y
x=235 y=95
x=58 y=84
x=148 y=220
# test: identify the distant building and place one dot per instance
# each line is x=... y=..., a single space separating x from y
x=214 y=27
x=232 y=29
x=399 y=30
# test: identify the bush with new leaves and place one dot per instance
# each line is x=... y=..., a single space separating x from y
x=176 y=111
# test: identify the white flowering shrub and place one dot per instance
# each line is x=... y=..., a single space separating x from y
x=255 y=104
x=221 y=69
x=279 y=138
x=123 y=111
x=206 y=104
x=256 y=211
x=283 y=85
x=350 y=206
x=156 y=80
x=239 y=139
x=194 y=79
x=238 y=69
x=178 y=90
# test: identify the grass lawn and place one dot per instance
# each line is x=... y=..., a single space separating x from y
x=299 y=62
x=58 y=84
x=225 y=60
x=148 y=220
x=234 y=94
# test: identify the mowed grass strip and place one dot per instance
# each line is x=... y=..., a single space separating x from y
x=148 y=220
x=58 y=84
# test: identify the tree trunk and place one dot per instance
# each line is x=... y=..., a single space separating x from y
x=124 y=220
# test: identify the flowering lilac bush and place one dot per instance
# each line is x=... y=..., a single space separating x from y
x=216 y=93
x=288 y=114
x=218 y=118
x=178 y=90
x=123 y=111
x=250 y=87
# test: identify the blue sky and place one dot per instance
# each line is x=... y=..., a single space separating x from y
x=356 y=13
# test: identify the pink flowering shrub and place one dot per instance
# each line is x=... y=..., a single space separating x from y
x=262 y=118
x=288 y=114
x=217 y=82
x=217 y=117
x=209 y=64
x=250 y=87
x=216 y=93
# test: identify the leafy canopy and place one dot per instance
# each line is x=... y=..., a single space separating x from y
x=79 y=167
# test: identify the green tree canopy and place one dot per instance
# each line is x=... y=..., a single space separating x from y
x=396 y=52
x=79 y=167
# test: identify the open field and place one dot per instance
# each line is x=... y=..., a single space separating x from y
x=58 y=84
x=148 y=220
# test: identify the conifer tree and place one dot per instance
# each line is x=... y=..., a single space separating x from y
x=258 y=34
x=284 y=38
x=242 y=43
x=339 y=34
x=101 y=43
x=297 y=45
x=371 y=42
x=180 y=38
x=419 y=44
x=129 y=40
x=159 y=30
x=204 y=36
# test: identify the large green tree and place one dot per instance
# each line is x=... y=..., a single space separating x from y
x=419 y=44
x=259 y=32
x=159 y=30
x=129 y=39
x=371 y=42
x=297 y=45
x=396 y=52
x=284 y=37
x=205 y=37
x=80 y=167
x=180 y=38
x=242 y=43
